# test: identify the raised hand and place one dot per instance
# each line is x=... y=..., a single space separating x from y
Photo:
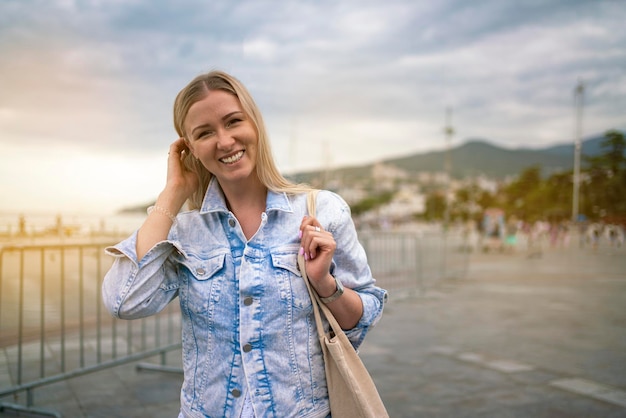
x=181 y=182
x=318 y=247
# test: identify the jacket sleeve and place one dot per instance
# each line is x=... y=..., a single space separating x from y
x=132 y=289
x=350 y=265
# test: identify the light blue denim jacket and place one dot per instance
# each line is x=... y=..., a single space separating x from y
x=248 y=325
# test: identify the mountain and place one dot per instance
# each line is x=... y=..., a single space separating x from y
x=472 y=158
x=590 y=146
x=476 y=157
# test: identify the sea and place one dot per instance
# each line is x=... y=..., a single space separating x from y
x=33 y=224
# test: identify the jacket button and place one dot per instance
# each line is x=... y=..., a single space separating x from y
x=248 y=301
x=236 y=393
x=247 y=348
x=231 y=222
x=200 y=271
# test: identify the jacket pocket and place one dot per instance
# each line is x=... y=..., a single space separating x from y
x=292 y=287
x=200 y=281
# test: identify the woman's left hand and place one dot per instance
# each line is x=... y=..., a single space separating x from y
x=318 y=247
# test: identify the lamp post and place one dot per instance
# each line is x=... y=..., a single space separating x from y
x=449 y=131
x=579 y=93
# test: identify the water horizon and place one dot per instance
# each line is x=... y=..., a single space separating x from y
x=65 y=223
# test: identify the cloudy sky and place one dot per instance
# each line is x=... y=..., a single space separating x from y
x=87 y=87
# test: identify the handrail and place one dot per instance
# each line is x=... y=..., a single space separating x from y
x=52 y=325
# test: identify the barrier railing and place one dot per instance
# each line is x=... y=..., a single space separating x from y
x=415 y=261
x=53 y=325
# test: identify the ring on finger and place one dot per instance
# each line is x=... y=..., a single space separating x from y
x=318 y=229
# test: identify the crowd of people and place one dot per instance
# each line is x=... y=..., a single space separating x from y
x=496 y=233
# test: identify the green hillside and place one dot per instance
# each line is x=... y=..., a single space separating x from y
x=475 y=157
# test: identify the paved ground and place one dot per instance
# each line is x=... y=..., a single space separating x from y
x=517 y=337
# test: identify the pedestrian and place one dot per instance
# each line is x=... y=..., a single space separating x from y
x=593 y=234
x=250 y=346
x=615 y=235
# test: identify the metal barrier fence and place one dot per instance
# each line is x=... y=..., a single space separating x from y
x=415 y=261
x=53 y=325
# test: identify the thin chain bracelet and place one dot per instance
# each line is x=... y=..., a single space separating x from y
x=162 y=211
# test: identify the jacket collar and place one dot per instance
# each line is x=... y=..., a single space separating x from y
x=214 y=200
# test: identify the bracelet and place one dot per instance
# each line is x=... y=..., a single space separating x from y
x=162 y=211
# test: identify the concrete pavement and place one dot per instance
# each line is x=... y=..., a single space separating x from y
x=517 y=337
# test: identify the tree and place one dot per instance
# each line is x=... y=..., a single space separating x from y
x=558 y=196
x=371 y=202
x=613 y=158
x=607 y=178
x=435 y=206
x=470 y=202
x=525 y=197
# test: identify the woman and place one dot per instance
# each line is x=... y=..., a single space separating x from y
x=250 y=347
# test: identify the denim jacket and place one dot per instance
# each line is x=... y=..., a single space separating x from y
x=248 y=325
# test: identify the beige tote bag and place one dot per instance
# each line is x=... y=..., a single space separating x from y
x=351 y=390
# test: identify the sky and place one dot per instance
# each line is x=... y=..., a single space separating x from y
x=87 y=86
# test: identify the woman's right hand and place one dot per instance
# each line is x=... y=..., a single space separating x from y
x=180 y=180
x=181 y=183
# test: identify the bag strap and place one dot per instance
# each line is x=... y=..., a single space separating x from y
x=315 y=299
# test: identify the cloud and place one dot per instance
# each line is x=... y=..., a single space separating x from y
x=360 y=80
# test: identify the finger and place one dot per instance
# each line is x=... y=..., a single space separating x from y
x=316 y=240
x=308 y=225
x=178 y=146
x=320 y=256
x=313 y=248
x=306 y=220
x=314 y=235
x=305 y=236
x=310 y=221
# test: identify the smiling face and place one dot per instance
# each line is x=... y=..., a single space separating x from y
x=222 y=137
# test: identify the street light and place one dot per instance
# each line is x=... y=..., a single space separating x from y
x=449 y=131
x=579 y=93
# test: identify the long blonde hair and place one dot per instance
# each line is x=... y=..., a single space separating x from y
x=266 y=168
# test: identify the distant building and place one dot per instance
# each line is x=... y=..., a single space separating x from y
x=381 y=171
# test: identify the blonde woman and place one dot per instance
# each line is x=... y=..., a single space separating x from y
x=250 y=347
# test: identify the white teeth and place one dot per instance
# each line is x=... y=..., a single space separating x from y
x=232 y=159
